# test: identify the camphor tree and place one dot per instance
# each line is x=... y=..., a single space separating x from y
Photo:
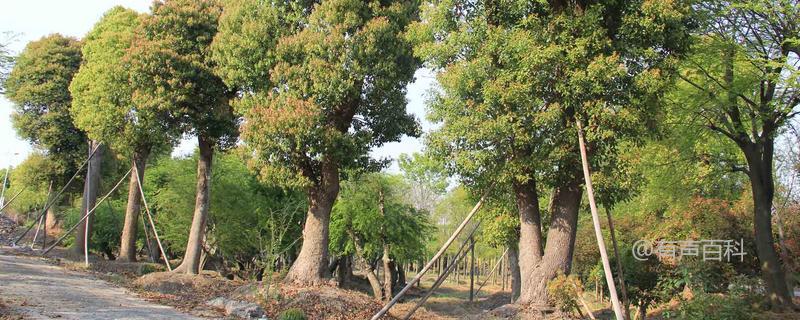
x=320 y=85
x=515 y=77
x=741 y=82
x=106 y=108
x=373 y=222
x=172 y=72
x=38 y=87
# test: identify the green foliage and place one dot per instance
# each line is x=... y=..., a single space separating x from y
x=248 y=225
x=104 y=103
x=32 y=178
x=292 y=314
x=325 y=89
x=563 y=291
x=106 y=227
x=427 y=180
x=708 y=306
x=357 y=214
x=514 y=77
x=38 y=88
x=172 y=71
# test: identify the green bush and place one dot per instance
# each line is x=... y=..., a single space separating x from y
x=706 y=306
x=106 y=228
x=292 y=314
x=563 y=291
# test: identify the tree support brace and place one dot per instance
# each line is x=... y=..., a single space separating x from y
x=461 y=254
x=435 y=257
x=86 y=216
x=55 y=198
x=587 y=175
x=150 y=217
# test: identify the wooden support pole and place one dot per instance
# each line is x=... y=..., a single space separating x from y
x=150 y=217
x=461 y=253
x=43 y=217
x=55 y=198
x=11 y=200
x=90 y=212
x=596 y=219
x=621 y=275
x=471 y=268
x=428 y=265
x=492 y=272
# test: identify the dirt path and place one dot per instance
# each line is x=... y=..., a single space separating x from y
x=37 y=290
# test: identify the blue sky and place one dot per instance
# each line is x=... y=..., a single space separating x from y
x=33 y=19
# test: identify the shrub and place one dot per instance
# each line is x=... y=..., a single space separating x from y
x=708 y=306
x=563 y=292
x=292 y=314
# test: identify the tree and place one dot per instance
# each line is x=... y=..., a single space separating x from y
x=38 y=87
x=250 y=225
x=741 y=83
x=106 y=108
x=172 y=71
x=515 y=80
x=320 y=86
x=372 y=221
x=427 y=179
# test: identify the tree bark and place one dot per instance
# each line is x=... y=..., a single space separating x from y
x=91 y=186
x=759 y=160
x=194 y=246
x=310 y=266
x=560 y=243
x=344 y=272
x=530 y=235
x=127 y=250
x=514 y=273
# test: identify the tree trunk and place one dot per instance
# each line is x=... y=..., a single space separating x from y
x=345 y=271
x=51 y=219
x=400 y=279
x=310 y=266
x=560 y=244
x=759 y=160
x=191 y=259
x=369 y=270
x=91 y=186
x=530 y=236
x=127 y=250
x=514 y=272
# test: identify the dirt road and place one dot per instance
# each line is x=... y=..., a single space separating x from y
x=37 y=290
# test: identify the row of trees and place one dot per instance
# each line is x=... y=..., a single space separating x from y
x=313 y=86
x=318 y=84
x=516 y=77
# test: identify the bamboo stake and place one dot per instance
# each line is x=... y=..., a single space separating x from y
x=39 y=225
x=87 y=215
x=11 y=200
x=492 y=272
x=621 y=277
x=596 y=219
x=46 y=207
x=150 y=217
x=461 y=253
x=86 y=227
x=428 y=265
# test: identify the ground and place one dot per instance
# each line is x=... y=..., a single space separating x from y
x=35 y=289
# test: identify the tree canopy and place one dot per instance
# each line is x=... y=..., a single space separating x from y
x=38 y=87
